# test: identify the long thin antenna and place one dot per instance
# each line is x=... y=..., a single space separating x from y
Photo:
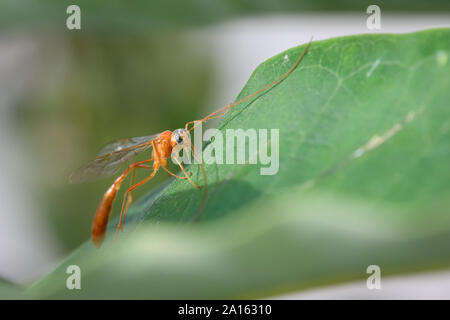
x=222 y=111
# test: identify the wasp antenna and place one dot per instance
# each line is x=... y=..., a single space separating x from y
x=222 y=111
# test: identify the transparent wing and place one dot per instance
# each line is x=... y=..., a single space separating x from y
x=111 y=157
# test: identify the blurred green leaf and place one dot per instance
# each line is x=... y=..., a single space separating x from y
x=9 y=290
x=142 y=15
x=363 y=179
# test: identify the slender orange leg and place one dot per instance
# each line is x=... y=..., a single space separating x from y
x=173 y=174
x=129 y=199
x=197 y=157
x=156 y=158
x=186 y=174
x=130 y=189
x=130 y=195
x=205 y=189
x=126 y=204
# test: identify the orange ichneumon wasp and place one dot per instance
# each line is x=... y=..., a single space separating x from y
x=114 y=155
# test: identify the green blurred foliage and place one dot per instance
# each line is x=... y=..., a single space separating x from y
x=9 y=290
x=140 y=15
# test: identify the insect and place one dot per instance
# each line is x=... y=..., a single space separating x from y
x=111 y=158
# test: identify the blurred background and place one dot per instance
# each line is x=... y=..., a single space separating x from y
x=136 y=69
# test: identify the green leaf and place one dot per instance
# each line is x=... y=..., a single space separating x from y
x=144 y=16
x=363 y=179
x=9 y=290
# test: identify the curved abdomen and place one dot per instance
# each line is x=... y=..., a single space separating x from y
x=102 y=215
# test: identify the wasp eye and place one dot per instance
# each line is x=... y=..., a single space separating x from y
x=178 y=138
